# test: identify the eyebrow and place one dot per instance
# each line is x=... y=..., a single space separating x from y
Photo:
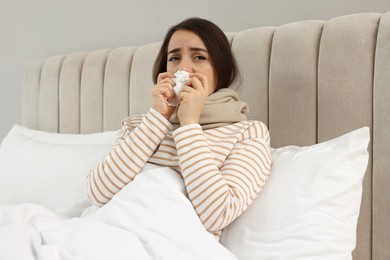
x=192 y=49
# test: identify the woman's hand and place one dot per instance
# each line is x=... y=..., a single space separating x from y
x=192 y=98
x=161 y=92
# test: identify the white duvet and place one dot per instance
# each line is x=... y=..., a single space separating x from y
x=150 y=218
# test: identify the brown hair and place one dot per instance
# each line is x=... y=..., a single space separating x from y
x=216 y=43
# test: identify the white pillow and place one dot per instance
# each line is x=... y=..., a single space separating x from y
x=310 y=205
x=49 y=168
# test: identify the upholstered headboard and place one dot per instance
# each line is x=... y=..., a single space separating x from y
x=309 y=81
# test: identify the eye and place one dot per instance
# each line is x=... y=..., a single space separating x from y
x=200 y=57
x=173 y=58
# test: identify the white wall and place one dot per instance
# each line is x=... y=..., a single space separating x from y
x=42 y=28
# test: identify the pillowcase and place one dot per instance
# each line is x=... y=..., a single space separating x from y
x=49 y=168
x=310 y=205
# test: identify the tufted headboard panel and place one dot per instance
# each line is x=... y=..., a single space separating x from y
x=309 y=81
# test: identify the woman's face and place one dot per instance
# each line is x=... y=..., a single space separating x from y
x=186 y=51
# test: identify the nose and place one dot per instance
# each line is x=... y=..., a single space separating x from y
x=185 y=64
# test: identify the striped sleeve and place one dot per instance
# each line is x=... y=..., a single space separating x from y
x=219 y=196
x=134 y=147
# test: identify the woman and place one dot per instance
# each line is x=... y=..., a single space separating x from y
x=223 y=158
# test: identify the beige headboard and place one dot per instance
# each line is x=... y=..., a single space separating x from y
x=309 y=81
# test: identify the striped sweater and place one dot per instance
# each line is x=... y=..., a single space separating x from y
x=223 y=168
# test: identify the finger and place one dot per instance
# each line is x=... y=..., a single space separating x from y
x=165 y=89
x=199 y=81
x=197 y=85
x=187 y=89
x=166 y=80
x=183 y=96
x=164 y=75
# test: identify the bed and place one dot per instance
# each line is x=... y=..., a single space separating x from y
x=322 y=88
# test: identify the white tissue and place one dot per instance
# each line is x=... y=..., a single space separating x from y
x=181 y=76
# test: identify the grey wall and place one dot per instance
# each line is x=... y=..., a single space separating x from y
x=42 y=28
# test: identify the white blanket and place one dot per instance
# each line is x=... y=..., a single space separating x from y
x=150 y=218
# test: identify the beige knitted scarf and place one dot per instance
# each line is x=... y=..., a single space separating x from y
x=221 y=108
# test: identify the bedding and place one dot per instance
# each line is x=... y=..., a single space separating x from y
x=150 y=218
x=308 y=207
x=49 y=168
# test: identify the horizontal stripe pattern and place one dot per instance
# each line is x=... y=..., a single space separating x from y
x=220 y=192
x=224 y=168
x=139 y=139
